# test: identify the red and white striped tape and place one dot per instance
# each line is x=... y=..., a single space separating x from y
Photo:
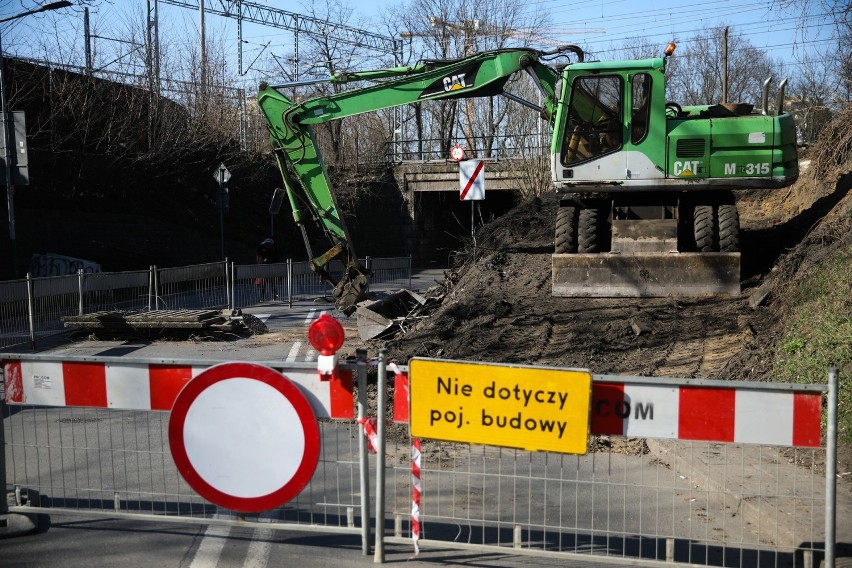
x=691 y=412
x=371 y=434
x=416 y=492
x=140 y=386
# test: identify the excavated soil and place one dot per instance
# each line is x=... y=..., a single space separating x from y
x=500 y=308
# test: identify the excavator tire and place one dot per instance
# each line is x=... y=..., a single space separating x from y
x=703 y=228
x=729 y=228
x=588 y=231
x=566 y=230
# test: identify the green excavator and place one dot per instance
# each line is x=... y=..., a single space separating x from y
x=647 y=186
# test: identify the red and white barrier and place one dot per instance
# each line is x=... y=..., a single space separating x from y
x=690 y=412
x=746 y=416
x=139 y=386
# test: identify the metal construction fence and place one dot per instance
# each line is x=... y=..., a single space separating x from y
x=34 y=307
x=745 y=496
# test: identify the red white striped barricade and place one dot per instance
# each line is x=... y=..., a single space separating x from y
x=244 y=435
x=142 y=384
x=774 y=414
x=742 y=412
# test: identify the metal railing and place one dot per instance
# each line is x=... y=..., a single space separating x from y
x=33 y=308
x=502 y=147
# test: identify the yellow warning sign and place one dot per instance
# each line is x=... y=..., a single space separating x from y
x=516 y=406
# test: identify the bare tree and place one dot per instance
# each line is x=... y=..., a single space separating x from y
x=813 y=87
x=448 y=29
x=697 y=69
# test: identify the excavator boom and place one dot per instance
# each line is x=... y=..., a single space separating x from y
x=302 y=169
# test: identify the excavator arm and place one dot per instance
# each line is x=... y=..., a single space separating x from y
x=298 y=157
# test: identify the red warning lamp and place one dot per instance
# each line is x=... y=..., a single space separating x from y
x=327 y=336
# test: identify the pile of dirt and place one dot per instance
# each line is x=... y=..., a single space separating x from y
x=501 y=309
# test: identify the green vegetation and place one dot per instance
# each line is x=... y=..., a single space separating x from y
x=818 y=332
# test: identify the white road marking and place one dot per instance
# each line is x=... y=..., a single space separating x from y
x=210 y=549
x=294 y=351
x=310 y=317
x=260 y=546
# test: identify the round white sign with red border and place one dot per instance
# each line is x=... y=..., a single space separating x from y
x=457 y=153
x=244 y=437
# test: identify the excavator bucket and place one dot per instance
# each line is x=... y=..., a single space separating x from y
x=384 y=315
x=349 y=291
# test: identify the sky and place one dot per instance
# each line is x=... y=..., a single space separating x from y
x=597 y=25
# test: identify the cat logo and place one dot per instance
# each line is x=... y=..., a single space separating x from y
x=461 y=79
x=454 y=83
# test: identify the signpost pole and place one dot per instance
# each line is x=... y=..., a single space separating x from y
x=361 y=355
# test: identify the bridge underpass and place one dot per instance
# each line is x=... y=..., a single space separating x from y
x=440 y=221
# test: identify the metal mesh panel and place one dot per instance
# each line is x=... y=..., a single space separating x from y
x=104 y=461
x=695 y=502
x=192 y=287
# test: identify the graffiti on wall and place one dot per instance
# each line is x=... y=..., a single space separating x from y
x=42 y=265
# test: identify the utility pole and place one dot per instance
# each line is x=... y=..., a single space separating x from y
x=87 y=35
x=203 y=55
x=725 y=66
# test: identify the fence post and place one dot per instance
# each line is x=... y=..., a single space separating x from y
x=289 y=282
x=831 y=468
x=4 y=499
x=31 y=310
x=233 y=286
x=150 y=285
x=409 y=272
x=80 y=291
x=156 y=287
x=227 y=285
x=381 y=397
x=367 y=266
x=361 y=355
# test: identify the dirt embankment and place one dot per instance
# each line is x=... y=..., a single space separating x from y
x=501 y=308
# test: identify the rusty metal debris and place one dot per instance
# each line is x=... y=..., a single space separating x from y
x=385 y=315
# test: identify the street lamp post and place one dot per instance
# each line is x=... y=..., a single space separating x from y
x=7 y=146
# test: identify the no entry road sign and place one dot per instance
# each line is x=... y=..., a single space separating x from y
x=244 y=437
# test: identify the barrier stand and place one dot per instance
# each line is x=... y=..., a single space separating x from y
x=831 y=468
x=361 y=355
x=11 y=524
x=381 y=397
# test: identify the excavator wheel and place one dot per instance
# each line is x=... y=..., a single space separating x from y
x=588 y=231
x=566 y=230
x=729 y=228
x=703 y=228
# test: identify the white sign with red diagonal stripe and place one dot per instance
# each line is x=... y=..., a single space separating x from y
x=472 y=180
x=140 y=386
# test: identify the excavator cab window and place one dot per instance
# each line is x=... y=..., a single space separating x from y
x=640 y=94
x=594 y=119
